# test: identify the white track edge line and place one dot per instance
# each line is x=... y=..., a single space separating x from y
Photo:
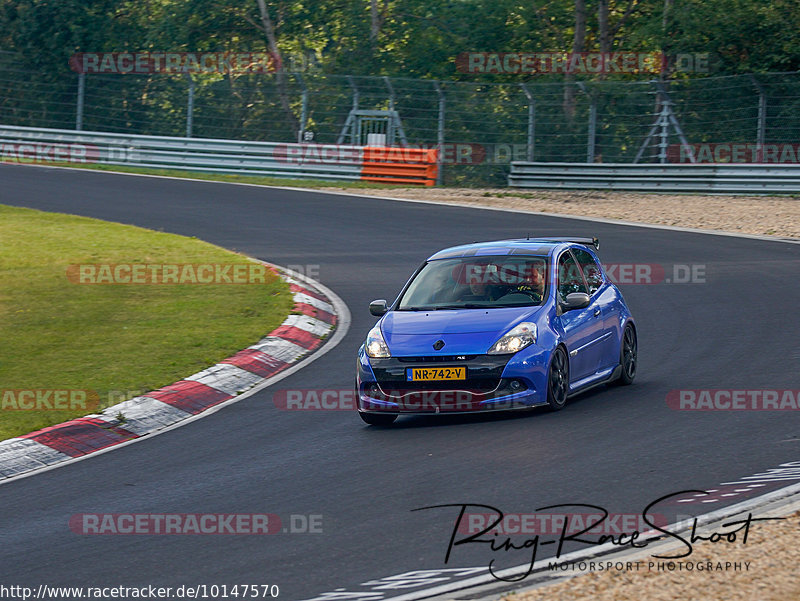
x=702 y=519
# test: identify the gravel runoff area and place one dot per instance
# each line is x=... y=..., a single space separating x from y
x=771 y=574
x=760 y=215
x=772 y=549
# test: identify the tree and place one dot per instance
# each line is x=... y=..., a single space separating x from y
x=280 y=72
x=578 y=45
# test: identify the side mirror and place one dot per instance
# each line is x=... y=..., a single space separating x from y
x=577 y=300
x=378 y=307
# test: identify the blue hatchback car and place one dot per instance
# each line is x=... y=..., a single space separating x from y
x=495 y=326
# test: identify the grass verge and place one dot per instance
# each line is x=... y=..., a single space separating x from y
x=230 y=177
x=116 y=340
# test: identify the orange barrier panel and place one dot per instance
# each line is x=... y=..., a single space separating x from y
x=392 y=165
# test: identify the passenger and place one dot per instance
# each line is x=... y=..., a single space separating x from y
x=480 y=285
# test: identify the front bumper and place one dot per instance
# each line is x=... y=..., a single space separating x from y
x=494 y=382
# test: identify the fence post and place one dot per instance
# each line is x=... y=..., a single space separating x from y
x=440 y=134
x=190 y=107
x=531 y=122
x=355 y=91
x=79 y=107
x=761 y=131
x=664 y=133
x=590 y=150
x=391 y=92
x=590 y=141
x=303 y=109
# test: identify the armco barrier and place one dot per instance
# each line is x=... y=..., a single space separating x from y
x=728 y=178
x=299 y=161
x=400 y=165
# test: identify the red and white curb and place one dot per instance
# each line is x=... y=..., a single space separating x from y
x=318 y=315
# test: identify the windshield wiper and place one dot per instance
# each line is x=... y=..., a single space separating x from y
x=465 y=306
x=511 y=306
x=447 y=307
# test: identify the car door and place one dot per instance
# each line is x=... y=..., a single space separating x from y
x=605 y=298
x=583 y=328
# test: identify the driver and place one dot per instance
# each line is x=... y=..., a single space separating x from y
x=532 y=283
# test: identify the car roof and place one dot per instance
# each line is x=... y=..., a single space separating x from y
x=521 y=246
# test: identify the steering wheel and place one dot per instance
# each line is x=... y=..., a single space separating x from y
x=536 y=296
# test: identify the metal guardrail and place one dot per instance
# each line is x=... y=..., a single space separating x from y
x=37 y=145
x=739 y=178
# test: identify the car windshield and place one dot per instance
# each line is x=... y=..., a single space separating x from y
x=477 y=283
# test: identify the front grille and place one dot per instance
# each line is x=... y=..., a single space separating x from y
x=436 y=358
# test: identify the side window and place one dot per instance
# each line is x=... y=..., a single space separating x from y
x=569 y=276
x=591 y=270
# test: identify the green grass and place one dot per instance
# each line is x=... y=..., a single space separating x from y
x=229 y=177
x=117 y=340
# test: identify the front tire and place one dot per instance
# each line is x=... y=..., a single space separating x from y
x=378 y=419
x=628 y=356
x=558 y=380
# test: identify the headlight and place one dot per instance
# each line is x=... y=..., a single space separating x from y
x=515 y=340
x=375 y=346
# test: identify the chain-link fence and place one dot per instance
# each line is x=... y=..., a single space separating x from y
x=482 y=126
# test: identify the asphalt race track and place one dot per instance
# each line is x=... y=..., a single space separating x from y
x=619 y=448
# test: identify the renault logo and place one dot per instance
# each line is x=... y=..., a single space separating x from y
x=437 y=346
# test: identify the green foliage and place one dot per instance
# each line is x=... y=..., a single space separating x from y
x=415 y=41
x=417 y=38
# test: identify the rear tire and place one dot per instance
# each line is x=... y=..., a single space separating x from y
x=378 y=419
x=628 y=356
x=558 y=380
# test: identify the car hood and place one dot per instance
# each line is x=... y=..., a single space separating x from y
x=464 y=331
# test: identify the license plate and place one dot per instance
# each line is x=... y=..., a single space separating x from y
x=428 y=374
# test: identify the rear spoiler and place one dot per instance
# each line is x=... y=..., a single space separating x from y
x=593 y=241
